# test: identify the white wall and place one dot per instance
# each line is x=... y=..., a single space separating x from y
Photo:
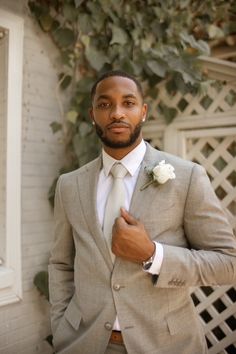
x=25 y=324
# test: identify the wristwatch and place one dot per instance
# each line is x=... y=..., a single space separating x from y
x=147 y=264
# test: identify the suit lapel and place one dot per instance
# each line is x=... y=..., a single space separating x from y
x=142 y=199
x=87 y=184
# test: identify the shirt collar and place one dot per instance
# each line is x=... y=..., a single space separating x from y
x=131 y=161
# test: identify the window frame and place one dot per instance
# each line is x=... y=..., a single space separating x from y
x=10 y=271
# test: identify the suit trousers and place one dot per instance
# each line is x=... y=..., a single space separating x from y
x=115 y=349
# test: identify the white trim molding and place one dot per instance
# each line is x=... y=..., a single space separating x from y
x=219 y=69
x=10 y=270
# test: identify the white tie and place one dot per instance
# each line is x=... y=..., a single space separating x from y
x=115 y=200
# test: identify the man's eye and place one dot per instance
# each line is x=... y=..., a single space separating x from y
x=129 y=103
x=103 y=105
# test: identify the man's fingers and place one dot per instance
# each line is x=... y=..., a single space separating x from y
x=128 y=217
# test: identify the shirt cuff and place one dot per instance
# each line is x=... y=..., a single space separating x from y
x=157 y=261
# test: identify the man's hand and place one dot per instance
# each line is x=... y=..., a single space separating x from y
x=130 y=239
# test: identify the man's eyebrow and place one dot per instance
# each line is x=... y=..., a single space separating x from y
x=103 y=96
x=130 y=95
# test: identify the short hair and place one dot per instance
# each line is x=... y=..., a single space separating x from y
x=119 y=73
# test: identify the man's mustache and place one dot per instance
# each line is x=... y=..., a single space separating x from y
x=118 y=124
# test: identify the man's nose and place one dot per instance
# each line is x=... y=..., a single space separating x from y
x=117 y=112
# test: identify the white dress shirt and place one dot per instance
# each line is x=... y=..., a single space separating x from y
x=132 y=162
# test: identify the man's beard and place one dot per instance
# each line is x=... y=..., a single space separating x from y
x=119 y=144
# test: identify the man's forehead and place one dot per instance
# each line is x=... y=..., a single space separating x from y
x=117 y=84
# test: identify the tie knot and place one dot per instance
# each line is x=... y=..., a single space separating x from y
x=118 y=170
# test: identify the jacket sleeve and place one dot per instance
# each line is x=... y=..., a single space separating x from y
x=211 y=257
x=61 y=262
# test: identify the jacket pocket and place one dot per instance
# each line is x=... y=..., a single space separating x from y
x=178 y=320
x=67 y=330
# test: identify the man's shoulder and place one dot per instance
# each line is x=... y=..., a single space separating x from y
x=159 y=155
x=90 y=166
x=182 y=167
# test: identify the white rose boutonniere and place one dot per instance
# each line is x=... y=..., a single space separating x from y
x=161 y=173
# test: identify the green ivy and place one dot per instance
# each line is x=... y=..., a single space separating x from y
x=41 y=282
x=157 y=41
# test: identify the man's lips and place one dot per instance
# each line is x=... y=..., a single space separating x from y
x=118 y=127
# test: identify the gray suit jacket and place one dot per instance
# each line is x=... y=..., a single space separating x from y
x=157 y=316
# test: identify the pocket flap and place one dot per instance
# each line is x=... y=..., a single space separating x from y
x=73 y=314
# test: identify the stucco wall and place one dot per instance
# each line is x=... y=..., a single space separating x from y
x=24 y=325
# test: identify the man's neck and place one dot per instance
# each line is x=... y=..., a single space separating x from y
x=119 y=153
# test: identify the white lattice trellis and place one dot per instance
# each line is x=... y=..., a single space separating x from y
x=217 y=154
x=218 y=99
x=217 y=305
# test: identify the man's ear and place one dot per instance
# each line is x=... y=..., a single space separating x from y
x=91 y=114
x=144 y=111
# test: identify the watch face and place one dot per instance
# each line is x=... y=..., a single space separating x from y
x=147 y=265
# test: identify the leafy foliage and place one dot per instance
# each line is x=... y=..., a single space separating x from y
x=154 y=40
x=41 y=283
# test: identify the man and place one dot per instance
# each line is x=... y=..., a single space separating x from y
x=120 y=283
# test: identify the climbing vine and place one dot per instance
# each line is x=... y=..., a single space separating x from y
x=157 y=41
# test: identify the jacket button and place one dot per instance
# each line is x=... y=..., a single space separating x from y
x=108 y=326
x=116 y=287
